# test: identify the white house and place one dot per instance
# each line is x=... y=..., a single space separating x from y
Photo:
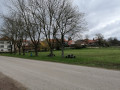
x=5 y=45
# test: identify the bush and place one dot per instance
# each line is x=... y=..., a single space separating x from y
x=77 y=46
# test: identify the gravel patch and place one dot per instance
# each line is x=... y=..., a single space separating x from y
x=7 y=83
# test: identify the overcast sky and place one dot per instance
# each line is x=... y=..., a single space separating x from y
x=102 y=16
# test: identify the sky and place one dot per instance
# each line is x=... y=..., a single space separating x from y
x=102 y=16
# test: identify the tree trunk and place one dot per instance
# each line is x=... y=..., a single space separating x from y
x=11 y=49
x=23 y=51
x=62 y=46
x=51 y=53
x=62 y=51
x=19 y=51
x=14 y=49
x=36 y=51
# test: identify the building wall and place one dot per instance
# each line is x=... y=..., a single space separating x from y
x=5 y=46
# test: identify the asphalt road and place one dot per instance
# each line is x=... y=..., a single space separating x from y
x=39 y=75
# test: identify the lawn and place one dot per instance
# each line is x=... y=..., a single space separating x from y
x=102 y=57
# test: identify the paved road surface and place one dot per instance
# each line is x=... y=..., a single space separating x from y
x=38 y=75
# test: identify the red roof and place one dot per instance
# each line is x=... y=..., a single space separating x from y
x=91 y=41
x=54 y=40
x=70 y=42
x=4 y=39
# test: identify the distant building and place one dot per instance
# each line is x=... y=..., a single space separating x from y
x=71 y=42
x=92 y=42
x=87 y=42
x=5 y=45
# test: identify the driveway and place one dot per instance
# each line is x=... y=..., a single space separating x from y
x=39 y=75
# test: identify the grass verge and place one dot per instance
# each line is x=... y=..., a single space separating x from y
x=102 y=57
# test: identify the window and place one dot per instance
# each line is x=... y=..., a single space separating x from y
x=2 y=50
x=9 y=50
x=1 y=46
x=1 y=42
x=9 y=46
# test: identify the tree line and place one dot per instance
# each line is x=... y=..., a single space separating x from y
x=102 y=42
x=111 y=41
x=41 y=19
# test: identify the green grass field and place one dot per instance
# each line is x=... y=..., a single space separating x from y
x=102 y=57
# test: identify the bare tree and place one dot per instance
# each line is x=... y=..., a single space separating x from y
x=46 y=10
x=86 y=38
x=59 y=20
x=69 y=21
x=27 y=10
x=25 y=37
x=55 y=19
x=14 y=30
x=20 y=33
x=100 y=39
x=9 y=30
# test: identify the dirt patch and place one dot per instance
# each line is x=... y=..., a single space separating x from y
x=7 y=83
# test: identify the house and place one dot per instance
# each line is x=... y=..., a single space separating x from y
x=71 y=42
x=28 y=45
x=5 y=45
x=86 y=42
x=80 y=42
x=54 y=42
x=92 y=42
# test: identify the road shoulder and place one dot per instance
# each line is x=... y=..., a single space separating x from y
x=7 y=83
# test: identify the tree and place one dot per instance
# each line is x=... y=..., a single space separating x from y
x=27 y=10
x=69 y=22
x=53 y=19
x=20 y=33
x=14 y=30
x=113 y=41
x=58 y=20
x=46 y=15
x=86 y=39
x=9 y=30
x=100 y=39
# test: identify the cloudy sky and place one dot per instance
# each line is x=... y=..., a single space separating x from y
x=102 y=16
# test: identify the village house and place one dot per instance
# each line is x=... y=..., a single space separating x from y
x=5 y=45
x=87 y=42
x=71 y=42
